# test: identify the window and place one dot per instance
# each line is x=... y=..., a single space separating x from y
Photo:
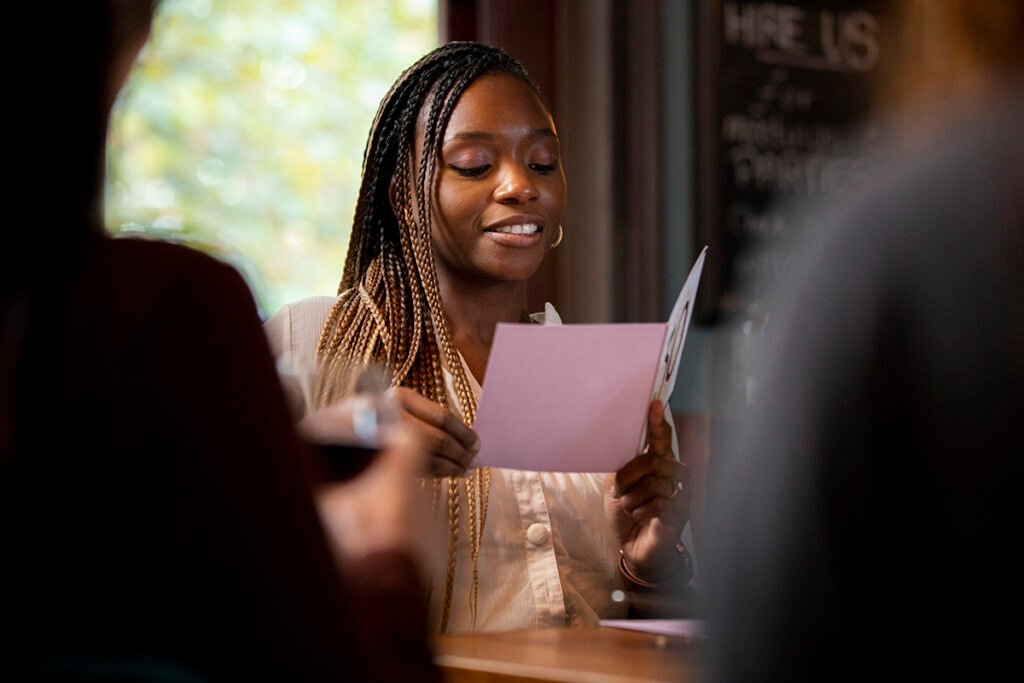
x=241 y=131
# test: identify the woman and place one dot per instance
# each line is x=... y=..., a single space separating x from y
x=155 y=519
x=461 y=199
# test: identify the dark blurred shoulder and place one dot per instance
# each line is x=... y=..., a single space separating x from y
x=151 y=262
x=128 y=281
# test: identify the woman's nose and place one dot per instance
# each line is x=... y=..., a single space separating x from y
x=516 y=186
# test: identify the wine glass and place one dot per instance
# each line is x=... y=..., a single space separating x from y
x=349 y=432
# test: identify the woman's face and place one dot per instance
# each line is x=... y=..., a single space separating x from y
x=500 y=189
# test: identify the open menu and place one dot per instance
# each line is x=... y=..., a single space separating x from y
x=574 y=398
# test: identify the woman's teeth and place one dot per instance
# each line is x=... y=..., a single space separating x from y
x=524 y=229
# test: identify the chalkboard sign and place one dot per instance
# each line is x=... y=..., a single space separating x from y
x=784 y=92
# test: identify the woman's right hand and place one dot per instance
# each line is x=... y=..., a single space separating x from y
x=451 y=444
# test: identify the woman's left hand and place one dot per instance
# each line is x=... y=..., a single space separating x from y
x=647 y=503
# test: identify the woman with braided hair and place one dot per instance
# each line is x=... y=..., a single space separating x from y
x=462 y=197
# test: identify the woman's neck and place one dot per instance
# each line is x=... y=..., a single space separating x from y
x=473 y=312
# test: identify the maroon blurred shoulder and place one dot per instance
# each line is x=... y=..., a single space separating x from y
x=153 y=501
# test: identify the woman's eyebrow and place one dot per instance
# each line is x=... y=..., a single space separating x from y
x=472 y=135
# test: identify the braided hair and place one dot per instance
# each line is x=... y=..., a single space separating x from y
x=389 y=309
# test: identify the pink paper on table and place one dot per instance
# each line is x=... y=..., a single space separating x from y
x=567 y=398
x=684 y=628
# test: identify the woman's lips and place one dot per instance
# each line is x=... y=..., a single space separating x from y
x=516 y=235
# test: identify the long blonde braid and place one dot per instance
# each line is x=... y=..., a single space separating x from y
x=389 y=309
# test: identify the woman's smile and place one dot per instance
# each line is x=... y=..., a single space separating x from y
x=520 y=232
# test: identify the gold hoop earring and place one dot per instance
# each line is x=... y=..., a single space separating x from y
x=561 y=234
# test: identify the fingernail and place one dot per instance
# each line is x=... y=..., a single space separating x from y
x=476 y=446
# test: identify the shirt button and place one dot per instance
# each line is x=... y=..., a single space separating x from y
x=537 y=534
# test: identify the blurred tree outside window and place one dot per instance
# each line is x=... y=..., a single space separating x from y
x=241 y=131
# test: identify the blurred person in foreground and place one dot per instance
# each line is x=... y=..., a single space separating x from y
x=865 y=520
x=156 y=522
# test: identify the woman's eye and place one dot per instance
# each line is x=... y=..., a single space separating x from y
x=542 y=169
x=472 y=171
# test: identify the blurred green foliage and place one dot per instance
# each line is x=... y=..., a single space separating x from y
x=242 y=129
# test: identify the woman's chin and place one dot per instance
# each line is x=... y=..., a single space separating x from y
x=515 y=272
